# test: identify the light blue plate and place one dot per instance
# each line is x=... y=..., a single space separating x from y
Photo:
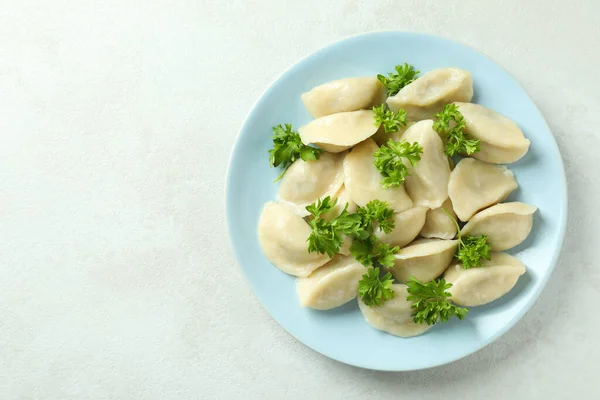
x=342 y=334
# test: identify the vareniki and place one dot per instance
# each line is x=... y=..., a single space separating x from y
x=370 y=201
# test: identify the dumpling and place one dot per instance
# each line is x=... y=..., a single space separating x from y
x=425 y=259
x=394 y=316
x=502 y=141
x=438 y=224
x=427 y=182
x=349 y=94
x=343 y=198
x=282 y=236
x=307 y=181
x=428 y=94
x=338 y=132
x=332 y=285
x=478 y=286
x=506 y=225
x=475 y=185
x=407 y=226
x=362 y=179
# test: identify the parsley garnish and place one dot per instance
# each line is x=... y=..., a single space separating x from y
x=471 y=249
x=288 y=147
x=327 y=236
x=431 y=301
x=395 y=81
x=390 y=121
x=373 y=290
x=450 y=125
x=388 y=160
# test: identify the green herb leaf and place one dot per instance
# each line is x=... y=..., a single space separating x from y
x=369 y=253
x=327 y=235
x=384 y=253
x=321 y=206
x=288 y=147
x=388 y=159
x=362 y=250
x=431 y=302
x=373 y=290
x=391 y=121
x=471 y=249
x=450 y=125
x=377 y=211
x=395 y=81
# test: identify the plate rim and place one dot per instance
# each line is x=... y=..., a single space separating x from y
x=562 y=219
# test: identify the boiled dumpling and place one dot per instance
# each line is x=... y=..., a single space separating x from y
x=394 y=316
x=307 y=181
x=477 y=286
x=475 y=185
x=506 y=225
x=362 y=179
x=282 y=236
x=427 y=182
x=502 y=141
x=425 y=259
x=349 y=94
x=428 y=94
x=338 y=132
x=438 y=224
x=332 y=285
x=407 y=226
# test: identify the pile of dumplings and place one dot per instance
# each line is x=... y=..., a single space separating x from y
x=473 y=191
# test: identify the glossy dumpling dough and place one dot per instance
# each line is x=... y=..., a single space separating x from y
x=502 y=141
x=282 y=236
x=425 y=259
x=429 y=93
x=438 y=224
x=475 y=185
x=349 y=94
x=338 y=132
x=407 y=226
x=361 y=178
x=478 y=286
x=427 y=182
x=307 y=181
x=332 y=285
x=506 y=225
x=393 y=316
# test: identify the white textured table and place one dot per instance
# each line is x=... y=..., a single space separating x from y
x=116 y=122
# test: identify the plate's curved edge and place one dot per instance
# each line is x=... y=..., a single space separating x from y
x=562 y=220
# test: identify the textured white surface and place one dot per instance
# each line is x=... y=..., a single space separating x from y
x=116 y=122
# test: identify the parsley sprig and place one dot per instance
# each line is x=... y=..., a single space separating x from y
x=391 y=121
x=450 y=125
x=327 y=235
x=471 y=249
x=375 y=290
x=388 y=160
x=288 y=147
x=395 y=81
x=431 y=301
x=369 y=252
